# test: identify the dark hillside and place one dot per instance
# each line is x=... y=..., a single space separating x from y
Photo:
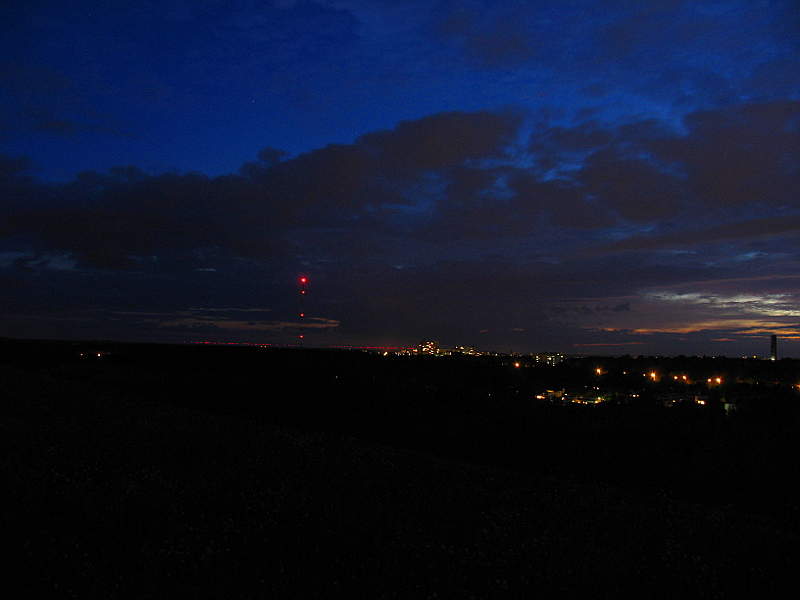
x=108 y=493
x=480 y=409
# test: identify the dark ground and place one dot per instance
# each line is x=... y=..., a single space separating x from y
x=117 y=484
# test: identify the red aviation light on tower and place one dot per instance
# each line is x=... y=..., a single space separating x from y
x=302 y=306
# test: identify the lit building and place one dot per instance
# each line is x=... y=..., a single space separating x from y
x=548 y=358
x=464 y=350
x=428 y=347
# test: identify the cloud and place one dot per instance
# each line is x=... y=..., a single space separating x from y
x=738 y=155
x=34 y=80
x=442 y=140
x=634 y=188
x=562 y=201
x=462 y=175
x=499 y=38
x=57 y=127
x=449 y=224
x=13 y=169
x=109 y=218
x=747 y=229
x=42 y=100
x=230 y=325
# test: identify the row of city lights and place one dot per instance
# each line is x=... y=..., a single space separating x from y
x=654 y=376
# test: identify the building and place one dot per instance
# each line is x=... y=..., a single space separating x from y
x=428 y=347
x=464 y=350
x=548 y=358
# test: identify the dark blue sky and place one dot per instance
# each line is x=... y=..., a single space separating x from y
x=582 y=176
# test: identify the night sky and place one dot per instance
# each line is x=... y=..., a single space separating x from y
x=582 y=176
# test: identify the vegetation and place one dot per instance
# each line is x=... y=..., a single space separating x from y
x=188 y=472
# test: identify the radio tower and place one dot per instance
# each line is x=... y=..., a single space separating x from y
x=302 y=307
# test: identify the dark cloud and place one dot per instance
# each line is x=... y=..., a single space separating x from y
x=644 y=172
x=585 y=136
x=341 y=178
x=13 y=168
x=638 y=190
x=34 y=80
x=109 y=218
x=502 y=39
x=766 y=227
x=779 y=76
x=642 y=183
x=57 y=127
x=650 y=28
x=738 y=155
x=40 y=100
x=562 y=201
x=442 y=140
x=451 y=175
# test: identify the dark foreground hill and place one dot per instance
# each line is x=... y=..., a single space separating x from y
x=477 y=409
x=108 y=491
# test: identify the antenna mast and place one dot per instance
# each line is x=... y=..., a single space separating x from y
x=302 y=307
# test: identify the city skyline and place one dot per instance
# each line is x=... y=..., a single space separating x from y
x=584 y=178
